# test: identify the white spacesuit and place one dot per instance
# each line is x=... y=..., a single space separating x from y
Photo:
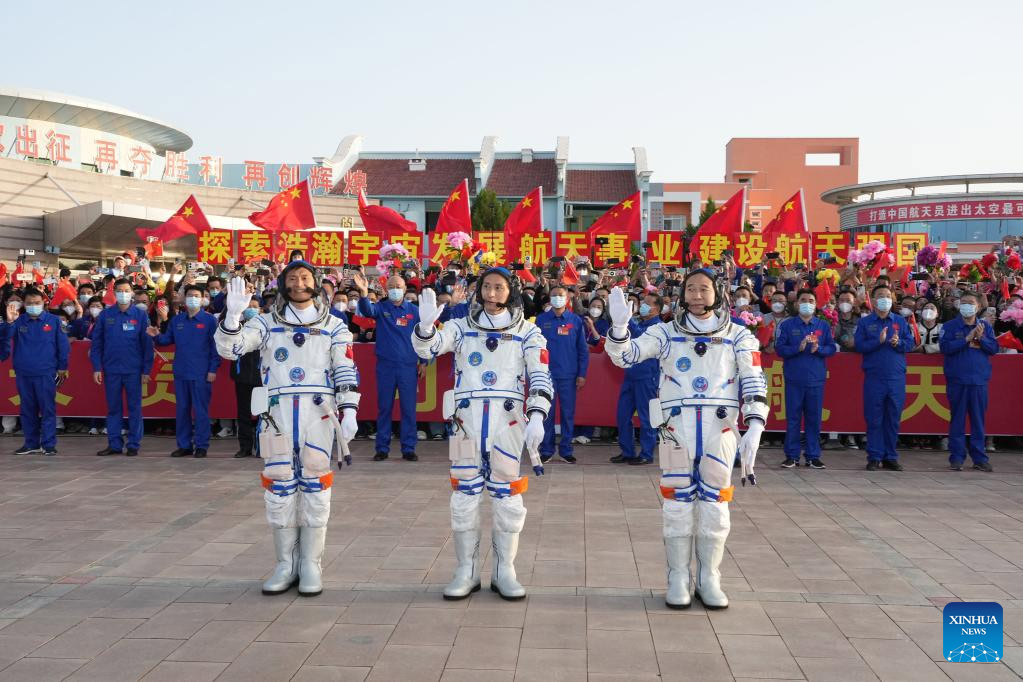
x=496 y=352
x=308 y=373
x=705 y=364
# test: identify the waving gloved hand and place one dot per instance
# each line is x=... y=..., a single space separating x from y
x=236 y=302
x=748 y=447
x=534 y=436
x=349 y=427
x=620 y=311
x=429 y=313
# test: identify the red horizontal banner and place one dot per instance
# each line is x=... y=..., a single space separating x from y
x=925 y=411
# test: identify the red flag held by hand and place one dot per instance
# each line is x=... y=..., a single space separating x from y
x=823 y=293
x=189 y=219
x=290 y=209
x=158 y=364
x=455 y=215
x=570 y=276
x=1007 y=340
x=382 y=218
x=765 y=334
x=108 y=295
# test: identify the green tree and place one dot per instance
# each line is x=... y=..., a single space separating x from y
x=489 y=212
x=707 y=211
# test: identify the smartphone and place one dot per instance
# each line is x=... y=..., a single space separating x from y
x=637 y=259
x=717 y=263
x=918 y=275
x=647 y=245
x=132 y=269
x=558 y=259
x=267 y=262
x=772 y=254
x=600 y=241
x=516 y=266
x=612 y=261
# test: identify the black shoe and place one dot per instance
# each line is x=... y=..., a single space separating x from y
x=788 y=463
x=380 y=456
x=873 y=465
x=26 y=450
x=956 y=467
x=50 y=452
x=621 y=459
x=131 y=452
x=891 y=465
x=983 y=466
x=182 y=452
x=570 y=459
x=410 y=456
x=199 y=453
x=816 y=464
x=639 y=460
x=243 y=453
x=545 y=458
x=108 y=451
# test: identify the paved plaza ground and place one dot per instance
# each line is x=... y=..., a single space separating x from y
x=149 y=568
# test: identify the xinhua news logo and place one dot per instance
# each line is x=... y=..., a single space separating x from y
x=972 y=632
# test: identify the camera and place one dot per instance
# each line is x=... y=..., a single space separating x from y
x=637 y=259
x=557 y=259
x=612 y=261
x=516 y=266
x=772 y=254
x=132 y=269
x=600 y=241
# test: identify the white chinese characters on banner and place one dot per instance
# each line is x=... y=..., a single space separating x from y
x=943 y=210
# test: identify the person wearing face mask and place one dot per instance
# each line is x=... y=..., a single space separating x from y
x=246 y=377
x=122 y=358
x=638 y=388
x=41 y=352
x=741 y=299
x=929 y=328
x=85 y=292
x=195 y=369
x=570 y=358
x=83 y=326
x=339 y=306
x=883 y=338
x=845 y=330
x=215 y=294
x=967 y=344
x=804 y=342
x=398 y=367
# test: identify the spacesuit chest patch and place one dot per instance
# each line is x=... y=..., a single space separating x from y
x=683 y=364
x=296 y=374
x=489 y=378
x=475 y=358
x=700 y=384
x=281 y=354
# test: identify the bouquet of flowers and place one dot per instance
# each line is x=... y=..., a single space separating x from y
x=931 y=258
x=1014 y=314
x=874 y=255
x=832 y=276
x=462 y=248
x=829 y=315
x=974 y=271
x=390 y=256
x=752 y=320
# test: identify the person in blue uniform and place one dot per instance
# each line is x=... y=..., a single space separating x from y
x=569 y=360
x=639 y=386
x=122 y=358
x=398 y=366
x=967 y=343
x=40 y=360
x=804 y=342
x=883 y=338
x=195 y=369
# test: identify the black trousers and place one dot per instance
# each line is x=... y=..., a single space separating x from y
x=246 y=422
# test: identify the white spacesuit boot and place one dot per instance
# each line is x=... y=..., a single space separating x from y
x=311 y=544
x=678 y=550
x=712 y=526
x=286 y=573
x=465 y=525
x=509 y=517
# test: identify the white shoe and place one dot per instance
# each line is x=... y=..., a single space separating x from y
x=226 y=433
x=310 y=553
x=712 y=525
x=421 y=435
x=678 y=552
x=581 y=440
x=502 y=577
x=467 y=571
x=104 y=431
x=286 y=572
x=94 y=431
x=989 y=444
x=943 y=445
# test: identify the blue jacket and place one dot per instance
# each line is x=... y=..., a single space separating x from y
x=805 y=368
x=120 y=344
x=80 y=328
x=195 y=352
x=882 y=359
x=40 y=347
x=963 y=364
x=601 y=325
x=566 y=343
x=394 y=329
x=648 y=370
x=454 y=312
x=339 y=315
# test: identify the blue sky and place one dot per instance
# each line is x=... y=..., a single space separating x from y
x=929 y=87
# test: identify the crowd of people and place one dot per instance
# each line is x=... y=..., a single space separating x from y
x=128 y=310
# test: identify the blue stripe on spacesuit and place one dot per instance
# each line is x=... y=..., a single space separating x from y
x=484 y=432
x=506 y=454
x=699 y=434
x=308 y=444
x=704 y=339
x=492 y=335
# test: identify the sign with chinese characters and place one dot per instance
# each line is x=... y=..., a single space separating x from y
x=750 y=248
x=323 y=248
x=931 y=211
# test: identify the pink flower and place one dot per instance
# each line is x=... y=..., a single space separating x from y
x=1013 y=313
x=459 y=240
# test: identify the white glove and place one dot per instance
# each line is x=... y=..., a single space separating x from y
x=748 y=447
x=620 y=311
x=534 y=436
x=428 y=311
x=349 y=427
x=237 y=301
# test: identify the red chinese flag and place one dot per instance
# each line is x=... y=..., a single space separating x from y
x=1008 y=340
x=153 y=248
x=65 y=290
x=941 y=250
x=914 y=328
x=624 y=217
x=904 y=280
x=728 y=220
x=764 y=335
x=382 y=218
x=1005 y=289
x=526 y=217
x=525 y=275
x=158 y=363
x=454 y=214
x=108 y=295
x=570 y=276
x=189 y=219
x=364 y=322
x=822 y=293
x=290 y=209
x=791 y=219
x=3 y=274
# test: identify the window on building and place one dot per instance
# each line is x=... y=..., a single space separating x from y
x=829 y=159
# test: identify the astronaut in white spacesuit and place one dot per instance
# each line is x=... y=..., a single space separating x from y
x=706 y=360
x=308 y=372
x=496 y=351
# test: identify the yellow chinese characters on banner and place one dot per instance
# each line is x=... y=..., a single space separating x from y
x=412 y=241
x=327 y=249
x=793 y=248
x=364 y=247
x=161 y=388
x=906 y=246
x=533 y=248
x=253 y=245
x=665 y=248
x=215 y=247
x=494 y=242
x=572 y=244
x=617 y=247
x=750 y=248
x=834 y=243
x=710 y=246
x=860 y=239
x=289 y=241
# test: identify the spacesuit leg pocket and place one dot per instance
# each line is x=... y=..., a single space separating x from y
x=716 y=467
x=275 y=449
x=315 y=459
x=676 y=462
x=506 y=445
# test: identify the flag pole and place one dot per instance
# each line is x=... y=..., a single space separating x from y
x=802 y=205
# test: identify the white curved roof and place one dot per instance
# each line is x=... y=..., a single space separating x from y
x=86 y=113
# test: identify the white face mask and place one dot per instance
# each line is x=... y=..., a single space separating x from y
x=69 y=309
x=205 y=302
x=741 y=302
x=558 y=301
x=596 y=312
x=883 y=304
x=340 y=307
x=905 y=312
x=352 y=305
x=778 y=307
x=84 y=299
x=845 y=306
x=929 y=314
x=95 y=311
